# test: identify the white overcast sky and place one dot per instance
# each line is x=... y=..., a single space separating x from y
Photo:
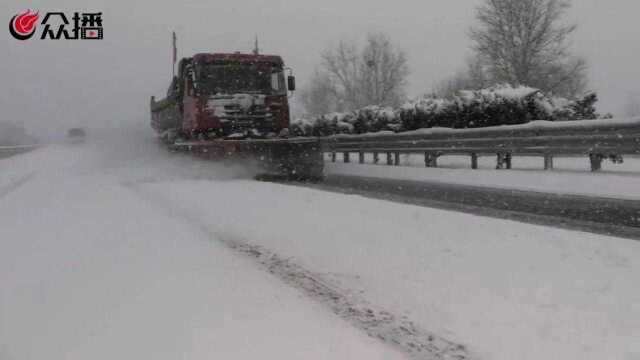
x=48 y=84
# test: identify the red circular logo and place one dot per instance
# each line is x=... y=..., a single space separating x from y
x=23 y=26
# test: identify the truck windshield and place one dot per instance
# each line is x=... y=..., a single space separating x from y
x=241 y=78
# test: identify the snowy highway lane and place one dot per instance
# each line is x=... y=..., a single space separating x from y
x=609 y=216
x=91 y=271
x=124 y=250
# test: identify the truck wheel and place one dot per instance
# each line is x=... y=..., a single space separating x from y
x=306 y=173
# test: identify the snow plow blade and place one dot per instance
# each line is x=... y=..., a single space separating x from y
x=294 y=159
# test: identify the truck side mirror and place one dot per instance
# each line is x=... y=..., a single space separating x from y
x=291 y=82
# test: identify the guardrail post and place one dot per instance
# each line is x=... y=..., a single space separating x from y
x=548 y=162
x=346 y=158
x=504 y=161
x=500 y=161
x=376 y=157
x=389 y=159
x=596 y=162
x=396 y=160
x=361 y=157
x=430 y=159
x=474 y=161
x=333 y=156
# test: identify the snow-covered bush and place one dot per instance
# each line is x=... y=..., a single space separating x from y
x=498 y=105
x=365 y=120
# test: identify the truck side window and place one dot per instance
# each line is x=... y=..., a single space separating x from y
x=277 y=82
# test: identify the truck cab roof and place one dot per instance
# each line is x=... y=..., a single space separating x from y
x=239 y=57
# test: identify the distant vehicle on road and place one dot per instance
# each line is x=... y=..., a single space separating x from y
x=76 y=135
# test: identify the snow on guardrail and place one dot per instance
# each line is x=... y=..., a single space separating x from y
x=597 y=139
x=6 y=151
x=18 y=147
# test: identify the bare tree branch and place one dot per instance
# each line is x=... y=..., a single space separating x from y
x=525 y=42
x=352 y=78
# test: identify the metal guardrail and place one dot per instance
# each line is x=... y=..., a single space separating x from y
x=597 y=139
x=7 y=151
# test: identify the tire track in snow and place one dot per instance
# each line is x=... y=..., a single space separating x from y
x=397 y=331
x=15 y=184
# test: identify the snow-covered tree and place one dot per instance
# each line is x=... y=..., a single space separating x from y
x=357 y=77
x=383 y=72
x=527 y=42
x=473 y=77
x=341 y=63
x=319 y=96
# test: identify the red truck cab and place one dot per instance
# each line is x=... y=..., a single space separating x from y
x=226 y=96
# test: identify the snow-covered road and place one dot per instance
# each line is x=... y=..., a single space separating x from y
x=120 y=249
x=89 y=270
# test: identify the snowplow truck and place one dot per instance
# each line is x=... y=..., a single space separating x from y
x=236 y=106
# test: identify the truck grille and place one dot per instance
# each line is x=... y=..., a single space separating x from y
x=236 y=112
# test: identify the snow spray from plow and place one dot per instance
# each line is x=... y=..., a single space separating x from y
x=295 y=159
